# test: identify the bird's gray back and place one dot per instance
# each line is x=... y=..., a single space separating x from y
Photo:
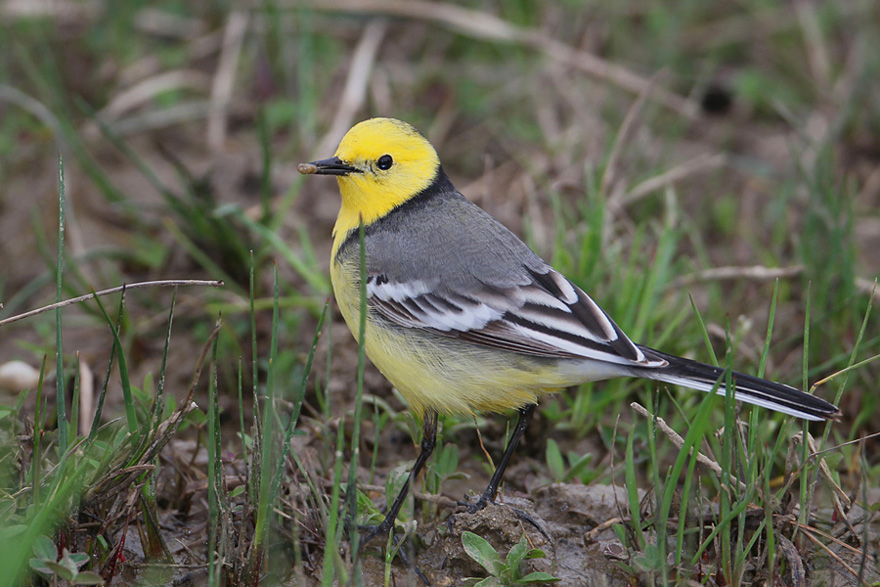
x=442 y=238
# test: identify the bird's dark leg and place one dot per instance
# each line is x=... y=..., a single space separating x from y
x=429 y=441
x=525 y=416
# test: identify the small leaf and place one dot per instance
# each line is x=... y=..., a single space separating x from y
x=536 y=553
x=61 y=570
x=68 y=563
x=620 y=532
x=89 y=578
x=45 y=549
x=482 y=552
x=448 y=462
x=578 y=465
x=79 y=558
x=539 y=577
x=395 y=482
x=368 y=513
x=554 y=460
x=517 y=553
x=39 y=565
x=197 y=417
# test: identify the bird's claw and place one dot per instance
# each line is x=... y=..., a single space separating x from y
x=370 y=532
x=484 y=501
x=473 y=508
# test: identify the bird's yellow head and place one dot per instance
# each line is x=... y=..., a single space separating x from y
x=380 y=164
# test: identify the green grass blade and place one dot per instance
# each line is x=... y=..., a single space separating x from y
x=632 y=493
x=74 y=400
x=269 y=461
x=215 y=471
x=39 y=428
x=158 y=404
x=130 y=414
x=99 y=409
x=702 y=327
x=200 y=257
x=333 y=531
x=299 y=398
x=313 y=274
x=805 y=428
x=723 y=525
x=61 y=400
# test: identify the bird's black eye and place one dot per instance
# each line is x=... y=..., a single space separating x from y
x=385 y=162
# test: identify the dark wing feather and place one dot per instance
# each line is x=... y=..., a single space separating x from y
x=546 y=317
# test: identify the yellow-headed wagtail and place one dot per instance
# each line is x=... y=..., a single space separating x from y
x=462 y=316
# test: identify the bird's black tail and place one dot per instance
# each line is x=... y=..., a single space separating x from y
x=749 y=389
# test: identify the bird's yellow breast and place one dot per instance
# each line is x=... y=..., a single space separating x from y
x=436 y=372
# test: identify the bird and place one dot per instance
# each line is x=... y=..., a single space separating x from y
x=463 y=317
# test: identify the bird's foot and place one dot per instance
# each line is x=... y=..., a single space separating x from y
x=368 y=533
x=480 y=504
x=484 y=501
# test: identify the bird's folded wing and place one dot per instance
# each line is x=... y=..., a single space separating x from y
x=547 y=316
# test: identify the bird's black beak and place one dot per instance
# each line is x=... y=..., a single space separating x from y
x=332 y=166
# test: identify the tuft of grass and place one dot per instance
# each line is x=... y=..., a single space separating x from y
x=744 y=522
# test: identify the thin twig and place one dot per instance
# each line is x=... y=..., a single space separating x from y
x=626 y=128
x=832 y=538
x=868 y=287
x=825 y=469
x=816 y=48
x=145 y=90
x=679 y=442
x=355 y=92
x=165 y=117
x=698 y=164
x=86 y=405
x=164 y=23
x=808 y=532
x=64 y=12
x=754 y=273
x=224 y=80
x=838 y=446
x=112 y=290
x=487 y=27
x=594 y=533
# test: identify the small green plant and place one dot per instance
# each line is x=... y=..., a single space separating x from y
x=503 y=572
x=367 y=512
x=443 y=468
x=47 y=564
x=577 y=468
